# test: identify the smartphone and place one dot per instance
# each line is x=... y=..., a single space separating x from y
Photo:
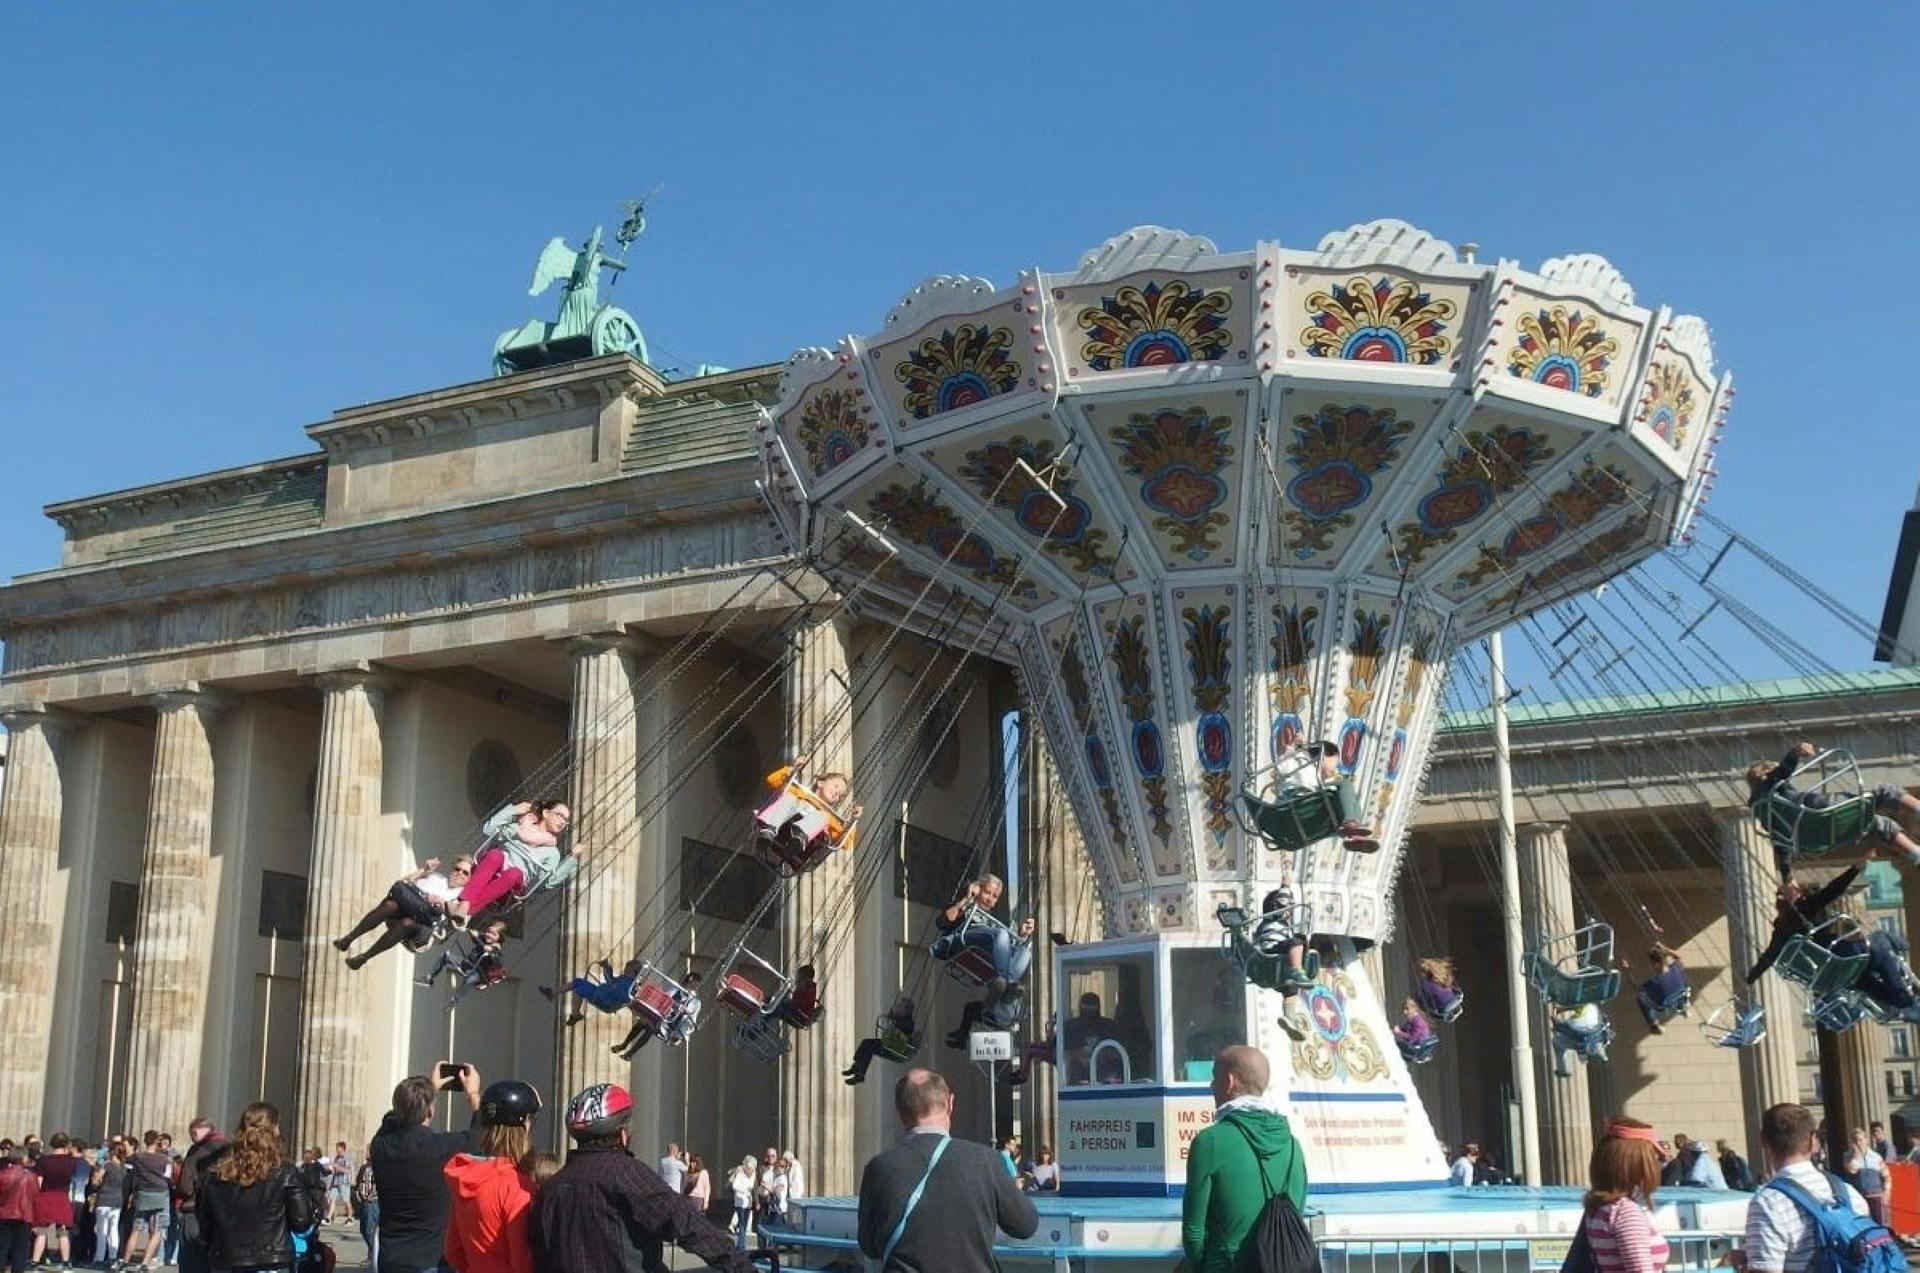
x=449 y=1073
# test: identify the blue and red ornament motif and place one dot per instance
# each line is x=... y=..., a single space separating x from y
x=1066 y=532
x=1490 y=464
x=1339 y=451
x=1378 y=320
x=1352 y=735
x=1160 y=325
x=1291 y=646
x=832 y=429
x=1364 y=650
x=1209 y=646
x=1337 y=1046
x=1563 y=349
x=1133 y=664
x=1179 y=457
x=919 y=516
x=1396 y=755
x=1073 y=678
x=1667 y=401
x=958 y=368
x=1586 y=497
x=1325 y=1013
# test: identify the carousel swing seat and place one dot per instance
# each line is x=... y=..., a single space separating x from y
x=1811 y=959
x=965 y=963
x=1574 y=969
x=896 y=1045
x=1298 y=816
x=1268 y=972
x=791 y=835
x=1735 y=1024
x=1845 y=814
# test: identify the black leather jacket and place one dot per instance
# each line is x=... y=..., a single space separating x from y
x=251 y=1226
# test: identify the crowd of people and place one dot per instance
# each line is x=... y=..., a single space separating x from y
x=1799 y=1218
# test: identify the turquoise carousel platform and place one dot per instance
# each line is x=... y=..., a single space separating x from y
x=1480 y=1230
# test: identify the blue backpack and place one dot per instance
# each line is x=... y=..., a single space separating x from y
x=1848 y=1242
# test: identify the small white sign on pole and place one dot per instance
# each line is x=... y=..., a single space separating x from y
x=989 y=1045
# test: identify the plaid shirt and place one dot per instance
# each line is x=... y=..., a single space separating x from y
x=605 y=1212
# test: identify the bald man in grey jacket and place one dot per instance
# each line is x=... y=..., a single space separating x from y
x=950 y=1226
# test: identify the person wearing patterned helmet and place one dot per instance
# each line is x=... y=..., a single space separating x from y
x=606 y=1212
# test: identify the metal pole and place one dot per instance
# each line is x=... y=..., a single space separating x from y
x=1518 y=1003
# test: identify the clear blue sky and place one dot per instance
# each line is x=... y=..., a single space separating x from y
x=220 y=222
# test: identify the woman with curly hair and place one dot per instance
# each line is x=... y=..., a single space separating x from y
x=252 y=1201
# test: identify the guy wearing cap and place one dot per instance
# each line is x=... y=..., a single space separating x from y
x=605 y=1212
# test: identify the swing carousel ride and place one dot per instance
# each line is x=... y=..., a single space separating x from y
x=1215 y=507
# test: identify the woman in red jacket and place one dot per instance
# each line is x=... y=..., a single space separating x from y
x=490 y=1191
x=18 y=1190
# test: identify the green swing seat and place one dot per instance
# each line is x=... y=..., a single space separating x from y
x=1841 y=1010
x=1268 y=972
x=896 y=1045
x=1812 y=832
x=1817 y=967
x=1569 y=988
x=1301 y=816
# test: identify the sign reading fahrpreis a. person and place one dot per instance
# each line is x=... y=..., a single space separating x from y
x=1138 y=1141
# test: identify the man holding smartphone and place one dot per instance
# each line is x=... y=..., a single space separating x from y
x=409 y=1158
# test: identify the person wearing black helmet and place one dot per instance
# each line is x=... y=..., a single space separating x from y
x=605 y=1212
x=491 y=1189
x=408 y=1157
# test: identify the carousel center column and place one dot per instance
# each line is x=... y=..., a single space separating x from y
x=597 y=921
x=171 y=940
x=30 y=804
x=330 y=1083
x=816 y=1106
x=1769 y=1073
x=1566 y=1118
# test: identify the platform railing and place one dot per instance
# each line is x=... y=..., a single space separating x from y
x=1687 y=1251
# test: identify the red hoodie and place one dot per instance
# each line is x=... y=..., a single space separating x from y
x=487 y=1218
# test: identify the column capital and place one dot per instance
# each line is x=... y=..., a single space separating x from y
x=1543 y=830
x=208 y=702
x=376 y=681
x=53 y=721
x=584 y=644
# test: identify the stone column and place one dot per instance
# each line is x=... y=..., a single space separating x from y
x=1546 y=910
x=1769 y=1073
x=1061 y=878
x=330 y=1082
x=29 y=859
x=816 y=1106
x=597 y=921
x=1854 y=1067
x=171 y=938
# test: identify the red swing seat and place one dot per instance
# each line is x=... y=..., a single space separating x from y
x=972 y=966
x=653 y=1003
x=742 y=995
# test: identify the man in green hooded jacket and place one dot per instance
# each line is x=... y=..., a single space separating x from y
x=1233 y=1166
